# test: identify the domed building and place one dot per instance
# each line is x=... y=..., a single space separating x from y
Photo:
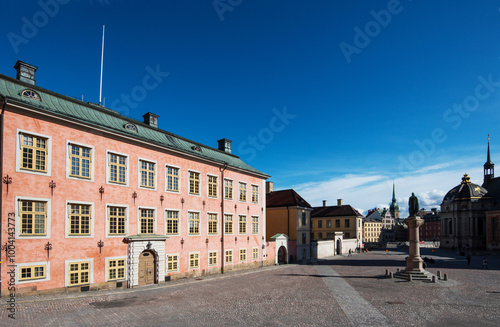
x=464 y=210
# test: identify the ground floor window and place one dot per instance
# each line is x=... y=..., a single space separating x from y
x=194 y=260
x=116 y=269
x=255 y=254
x=32 y=272
x=243 y=255
x=172 y=262
x=229 y=256
x=79 y=273
x=212 y=258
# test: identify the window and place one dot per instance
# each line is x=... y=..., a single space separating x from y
x=337 y=223
x=194 y=223
x=494 y=228
x=212 y=186
x=32 y=272
x=243 y=192
x=320 y=236
x=194 y=183
x=212 y=258
x=147 y=171
x=172 y=222
x=304 y=219
x=116 y=269
x=117 y=220
x=79 y=219
x=243 y=255
x=172 y=262
x=212 y=223
x=117 y=169
x=34 y=153
x=31 y=94
x=255 y=194
x=33 y=218
x=255 y=254
x=147 y=221
x=79 y=273
x=243 y=225
x=228 y=224
x=228 y=189
x=347 y=223
x=304 y=238
x=80 y=161
x=320 y=223
x=328 y=223
x=194 y=260
x=347 y=235
x=255 y=225
x=229 y=256
x=172 y=179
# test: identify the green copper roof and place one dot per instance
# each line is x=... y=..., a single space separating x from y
x=279 y=235
x=111 y=120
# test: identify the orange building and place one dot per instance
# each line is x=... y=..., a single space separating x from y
x=92 y=199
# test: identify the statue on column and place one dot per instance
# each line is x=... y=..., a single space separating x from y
x=413 y=205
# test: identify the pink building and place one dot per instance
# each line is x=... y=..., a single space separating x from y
x=92 y=199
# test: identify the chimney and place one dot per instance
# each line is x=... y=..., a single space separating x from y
x=339 y=202
x=25 y=72
x=269 y=187
x=225 y=145
x=324 y=203
x=151 y=119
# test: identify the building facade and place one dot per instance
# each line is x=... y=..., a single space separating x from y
x=430 y=231
x=93 y=199
x=327 y=220
x=288 y=213
x=372 y=231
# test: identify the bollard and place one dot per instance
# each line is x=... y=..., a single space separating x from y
x=445 y=277
x=391 y=275
x=439 y=274
x=387 y=272
x=433 y=279
x=397 y=270
x=409 y=278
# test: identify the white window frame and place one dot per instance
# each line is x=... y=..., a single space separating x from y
x=208 y=258
x=218 y=227
x=255 y=247
x=31 y=264
x=239 y=255
x=18 y=217
x=68 y=161
x=258 y=225
x=217 y=188
x=127 y=216
x=67 y=220
x=166 y=179
x=251 y=194
x=200 y=186
x=127 y=173
x=189 y=260
x=155 y=224
x=246 y=225
x=139 y=177
x=187 y=223
x=179 y=223
x=232 y=215
x=19 y=154
x=66 y=271
x=106 y=267
x=232 y=261
x=224 y=195
x=246 y=191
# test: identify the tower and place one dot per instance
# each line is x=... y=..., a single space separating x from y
x=394 y=207
x=489 y=167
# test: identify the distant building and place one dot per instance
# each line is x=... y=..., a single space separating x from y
x=464 y=212
x=288 y=213
x=394 y=207
x=430 y=231
x=372 y=229
x=327 y=220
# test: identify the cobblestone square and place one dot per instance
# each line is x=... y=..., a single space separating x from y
x=343 y=291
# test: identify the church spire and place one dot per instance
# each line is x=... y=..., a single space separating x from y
x=394 y=207
x=489 y=167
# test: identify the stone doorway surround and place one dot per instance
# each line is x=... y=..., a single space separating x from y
x=137 y=244
x=281 y=247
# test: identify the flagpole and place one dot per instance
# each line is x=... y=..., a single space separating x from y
x=102 y=59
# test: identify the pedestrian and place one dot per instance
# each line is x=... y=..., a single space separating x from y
x=485 y=264
x=468 y=260
x=349 y=252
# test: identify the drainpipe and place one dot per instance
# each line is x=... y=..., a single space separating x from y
x=4 y=100
x=222 y=254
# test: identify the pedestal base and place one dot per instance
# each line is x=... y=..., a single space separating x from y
x=415 y=275
x=415 y=264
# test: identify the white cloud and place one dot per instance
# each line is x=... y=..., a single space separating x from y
x=367 y=191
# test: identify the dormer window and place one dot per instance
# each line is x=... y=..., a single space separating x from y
x=130 y=127
x=31 y=94
x=196 y=148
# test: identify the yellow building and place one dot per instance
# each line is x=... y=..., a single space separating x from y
x=288 y=213
x=372 y=228
x=327 y=220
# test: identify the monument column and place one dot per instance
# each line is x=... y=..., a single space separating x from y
x=414 y=262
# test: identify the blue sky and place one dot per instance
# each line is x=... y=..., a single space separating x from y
x=336 y=99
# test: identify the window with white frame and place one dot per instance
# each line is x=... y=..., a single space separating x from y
x=79 y=273
x=194 y=260
x=172 y=224
x=242 y=224
x=117 y=220
x=212 y=186
x=147 y=174
x=79 y=219
x=194 y=183
x=194 y=223
x=34 y=272
x=228 y=256
x=243 y=192
x=212 y=223
x=228 y=189
x=228 y=224
x=116 y=269
x=255 y=194
x=243 y=255
x=80 y=161
x=255 y=253
x=172 y=262
x=212 y=258
x=34 y=152
x=147 y=221
x=117 y=168
x=255 y=225
x=172 y=179
x=33 y=218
